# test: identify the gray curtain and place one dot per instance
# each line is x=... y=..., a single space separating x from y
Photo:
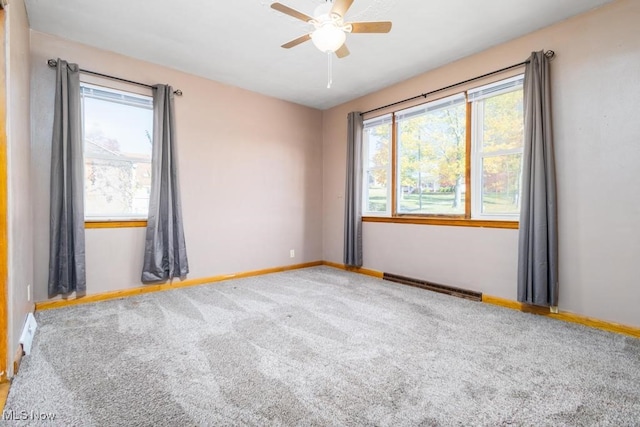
x=353 y=193
x=538 y=234
x=66 y=232
x=165 y=255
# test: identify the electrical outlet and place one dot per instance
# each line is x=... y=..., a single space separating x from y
x=29 y=293
x=292 y=253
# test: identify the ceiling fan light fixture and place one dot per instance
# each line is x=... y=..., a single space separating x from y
x=330 y=29
x=328 y=38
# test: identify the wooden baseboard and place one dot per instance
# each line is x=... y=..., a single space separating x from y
x=604 y=325
x=86 y=299
x=360 y=270
x=4 y=393
x=488 y=299
x=565 y=316
x=17 y=359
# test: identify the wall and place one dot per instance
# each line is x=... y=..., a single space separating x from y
x=19 y=206
x=249 y=165
x=595 y=94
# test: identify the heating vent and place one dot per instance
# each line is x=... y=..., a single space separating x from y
x=435 y=287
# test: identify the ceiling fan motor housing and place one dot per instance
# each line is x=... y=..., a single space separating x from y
x=323 y=13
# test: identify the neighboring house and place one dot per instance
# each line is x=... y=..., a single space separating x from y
x=116 y=182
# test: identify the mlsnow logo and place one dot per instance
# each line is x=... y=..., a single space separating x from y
x=27 y=416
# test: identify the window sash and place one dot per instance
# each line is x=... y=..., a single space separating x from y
x=372 y=123
x=496 y=88
x=377 y=121
x=438 y=104
x=478 y=155
x=113 y=95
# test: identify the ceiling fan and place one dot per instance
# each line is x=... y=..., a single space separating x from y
x=330 y=30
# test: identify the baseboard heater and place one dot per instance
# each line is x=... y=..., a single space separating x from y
x=435 y=287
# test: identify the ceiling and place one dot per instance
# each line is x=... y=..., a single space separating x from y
x=237 y=42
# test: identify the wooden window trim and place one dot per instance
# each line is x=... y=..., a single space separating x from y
x=443 y=220
x=115 y=224
x=394 y=165
x=4 y=246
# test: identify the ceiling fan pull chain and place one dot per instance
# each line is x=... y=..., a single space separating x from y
x=329 y=70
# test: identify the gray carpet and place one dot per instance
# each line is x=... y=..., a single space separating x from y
x=322 y=347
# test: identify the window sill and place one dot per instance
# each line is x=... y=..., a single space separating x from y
x=115 y=224
x=460 y=222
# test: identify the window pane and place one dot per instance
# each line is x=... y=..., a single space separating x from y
x=431 y=162
x=116 y=188
x=377 y=146
x=501 y=184
x=377 y=141
x=503 y=127
x=117 y=153
x=376 y=191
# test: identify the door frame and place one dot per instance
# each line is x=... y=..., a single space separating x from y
x=4 y=306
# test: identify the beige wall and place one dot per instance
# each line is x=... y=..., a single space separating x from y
x=292 y=160
x=250 y=173
x=595 y=97
x=20 y=234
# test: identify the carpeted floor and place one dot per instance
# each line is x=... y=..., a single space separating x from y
x=321 y=347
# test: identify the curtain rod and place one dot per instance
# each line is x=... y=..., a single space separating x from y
x=549 y=54
x=53 y=63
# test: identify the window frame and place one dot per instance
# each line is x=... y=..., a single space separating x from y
x=511 y=84
x=107 y=221
x=433 y=105
x=472 y=184
x=382 y=120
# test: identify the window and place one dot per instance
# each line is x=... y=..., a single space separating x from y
x=117 y=132
x=431 y=158
x=497 y=141
x=459 y=157
x=377 y=168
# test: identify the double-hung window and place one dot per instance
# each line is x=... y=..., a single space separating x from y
x=117 y=132
x=431 y=158
x=457 y=158
x=497 y=143
x=377 y=165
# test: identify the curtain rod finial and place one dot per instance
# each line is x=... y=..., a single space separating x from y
x=550 y=54
x=177 y=92
x=52 y=63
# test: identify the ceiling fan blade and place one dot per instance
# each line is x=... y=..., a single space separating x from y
x=297 y=41
x=291 y=12
x=343 y=51
x=370 y=27
x=340 y=7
